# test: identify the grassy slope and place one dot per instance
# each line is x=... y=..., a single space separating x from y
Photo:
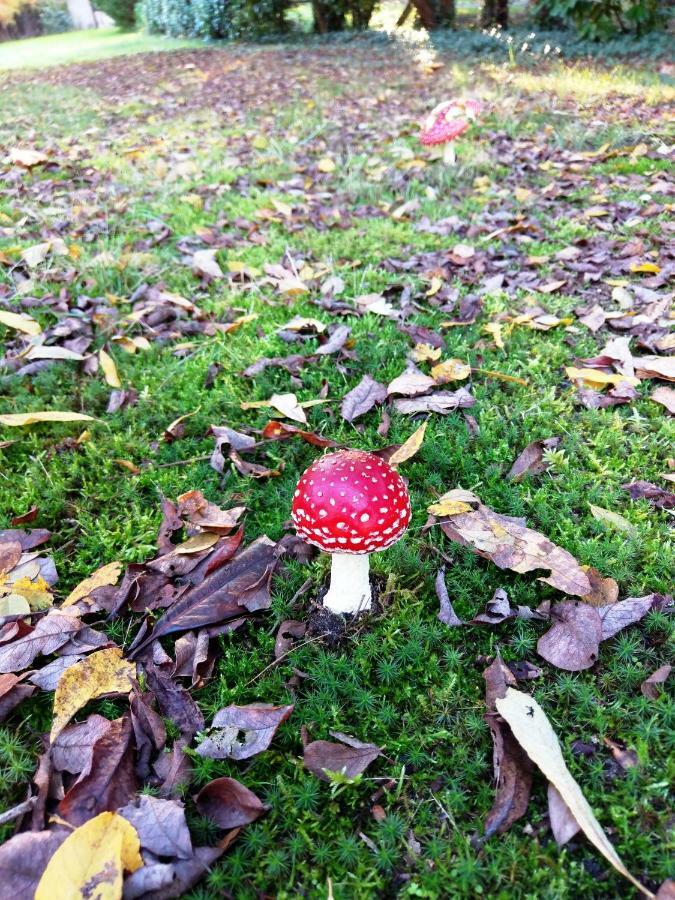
x=409 y=684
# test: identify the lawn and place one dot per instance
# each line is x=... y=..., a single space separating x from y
x=307 y=158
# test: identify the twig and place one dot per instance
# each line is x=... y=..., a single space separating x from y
x=10 y=814
x=312 y=640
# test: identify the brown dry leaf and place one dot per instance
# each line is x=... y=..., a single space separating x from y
x=410 y=384
x=645 y=490
x=240 y=732
x=279 y=431
x=104 y=672
x=666 y=397
x=446 y=613
x=442 y=402
x=26 y=158
x=106 y=575
x=531 y=459
x=450 y=370
x=18 y=420
x=228 y=803
x=92 y=860
x=651 y=687
x=350 y=758
x=409 y=448
x=20 y=322
x=533 y=731
x=510 y=544
x=573 y=641
x=512 y=768
x=361 y=399
x=563 y=824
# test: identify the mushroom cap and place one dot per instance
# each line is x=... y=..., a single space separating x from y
x=351 y=502
x=448 y=120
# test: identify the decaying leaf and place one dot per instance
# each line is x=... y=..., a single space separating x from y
x=563 y=824
x=442 y=402
x=651 y=687
x=512 y=768
x=104 y=672
x=24 y=858
x=160 y=825
x=509 y=544
x=228 y=803
x=239 y=732
x=92 y=860
x=531 y=459
x=645 y=490
x=106 y=575
x=534 y=733
x=50 y=633
x=446 y=613
x=349 y=758
x=361 y=399
x=573 y=641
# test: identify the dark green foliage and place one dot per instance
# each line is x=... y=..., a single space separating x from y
x=214 y=19
x=122 y=11
x=335 y=15
x=601 y=19
x=54 y=17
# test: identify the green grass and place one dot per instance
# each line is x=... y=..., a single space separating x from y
x=82 y=46
x=405 y=682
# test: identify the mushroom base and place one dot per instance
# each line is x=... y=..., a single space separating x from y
x=449 y=155
x=349 y=590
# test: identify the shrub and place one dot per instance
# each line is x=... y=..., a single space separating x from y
x=122 y=11
x=54 y=17
x=214 y=18
x=601 y=19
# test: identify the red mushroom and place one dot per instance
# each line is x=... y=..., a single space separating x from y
x=446 y=122
x=350 y=504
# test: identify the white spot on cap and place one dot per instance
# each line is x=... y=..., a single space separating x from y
x=364 y=517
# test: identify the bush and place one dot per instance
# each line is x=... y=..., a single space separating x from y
x=122 y=11
x=54 y=17
x=601 y=19
x=214 y=18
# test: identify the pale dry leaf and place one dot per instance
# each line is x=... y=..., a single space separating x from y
x=409 y=448
x=666 y=397
x=534 y=733
x=614 y=520
x=18 y=420
x=20 y=322
x=109 y=369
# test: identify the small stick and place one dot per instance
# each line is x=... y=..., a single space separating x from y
x=312 y=640
x=10 y=814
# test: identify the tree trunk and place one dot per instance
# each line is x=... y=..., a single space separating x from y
x=361 y=14
x=495 y=12
x=436 y=13
x=327 y=19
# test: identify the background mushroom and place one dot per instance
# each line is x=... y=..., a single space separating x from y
x=350 y=504
x=446 y=122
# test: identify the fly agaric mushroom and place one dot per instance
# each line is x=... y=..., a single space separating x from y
x=350 y=504
x=446 y=122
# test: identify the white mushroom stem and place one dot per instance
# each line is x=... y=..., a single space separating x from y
x=349 y=590
x=449 y=155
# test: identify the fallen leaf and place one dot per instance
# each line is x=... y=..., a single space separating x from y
x=509 y=544
x=349 y=758
x=596 y=379
x=361 y=399
x=26 y=158
x=92 y=860
x=161 y=881
x=531 y=459
x=563 y=824
x=626 y=612
x=160 y=825
x=450 y=370
x=104 y=672
x=497 y=610
x=109 y=369
x=239 y=732
x=20 y=322
x=409 y=448
x=24 y=858
x=645 y=490
x=614 y=520
x=175 y=703
x=326 y=165
x=573 y=641
x=655 y=367
x=410 y=384
x=228 y=803
x=446 y=613
x=442 y=402
x=36 y=254
x=534 y=733
x=651 y=687
x=626 y=759
x=106 y=575
x=278 y=431
x=512 y=768
x=48 y=676
x=666 y=397
x=17 y=420
x=72 y=751
x=204 y=263
x=49 y=634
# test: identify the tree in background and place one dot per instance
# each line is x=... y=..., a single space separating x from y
x=123 y=12
x=336 y=15
x=496 y=12
x=601 y=19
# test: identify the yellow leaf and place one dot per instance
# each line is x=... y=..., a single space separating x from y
x=522 y=195
x=198 y=543
x=326 y=165
x=35 y=593
x=408 y=449
x=435 y=286
x=109 y=369
x=128 y=465
x=596 y=379
x=425 y=353
x=495 y=330
x=283 y=208
x=647 y=267
x=454 y=502
x=107 y=574
x=533 y=731
x=104 y=672
x=91 y=862
x=20 y=322
x=502 y=376
x=16 y=420
x=450 y=370
x=260 y=142
x=596 y=212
